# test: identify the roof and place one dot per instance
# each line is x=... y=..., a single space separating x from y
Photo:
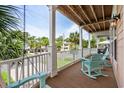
x=92 y=17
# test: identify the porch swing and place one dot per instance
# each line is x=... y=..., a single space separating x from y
x=39 y=75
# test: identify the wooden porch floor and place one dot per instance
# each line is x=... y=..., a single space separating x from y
x=72 y=77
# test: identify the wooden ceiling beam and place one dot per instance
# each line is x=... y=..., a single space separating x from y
x=109 y=20
x=78 y=16
x=91 y=7
x=62 y=10
x=103 y=13
x=82 y=10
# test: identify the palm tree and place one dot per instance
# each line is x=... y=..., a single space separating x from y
x=93 y=42
x=59 y=42
x=39 y=42
x=11 y=45
x=44 y=41
x=9 y=18
x=32 y=42
x=10 y=42
x=74 y=39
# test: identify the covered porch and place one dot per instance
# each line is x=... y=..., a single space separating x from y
x=94 y=19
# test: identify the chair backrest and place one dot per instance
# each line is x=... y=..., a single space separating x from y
x=104 y=51
x=96 y=58
x=106 y=54
x=95 y=64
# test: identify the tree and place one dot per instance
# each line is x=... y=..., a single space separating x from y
x=74 y=39
x=9 y=18
x=11 y=45
x=44 y=41
x=59 y=43
x=93 y=42
x=32 y=42
x=39 y=42
x=10 y=39
x=85 y=43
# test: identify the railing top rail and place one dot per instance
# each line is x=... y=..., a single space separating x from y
x=21 y=58
x=68 y=51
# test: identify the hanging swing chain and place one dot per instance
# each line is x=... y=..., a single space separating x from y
x=22 y=63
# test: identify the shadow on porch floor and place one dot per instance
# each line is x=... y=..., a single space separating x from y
x=72 y=77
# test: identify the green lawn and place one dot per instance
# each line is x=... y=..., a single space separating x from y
x=61 y=62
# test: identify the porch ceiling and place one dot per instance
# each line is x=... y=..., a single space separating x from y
x=93 y=17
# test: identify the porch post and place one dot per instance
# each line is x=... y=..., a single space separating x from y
x=89 y=44
x=52 y=65
x=110 y=39
x=97 y=42
x=81 y=41
x=113 y=36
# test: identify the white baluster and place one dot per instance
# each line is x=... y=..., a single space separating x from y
x=42 y=63
x=32 y=69
x=39 y=62
x=36 y=65
x=9 y=69
x=28 y=70
x=16 y=72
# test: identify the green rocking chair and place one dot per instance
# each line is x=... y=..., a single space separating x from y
x=92 y=67
x=103 y=58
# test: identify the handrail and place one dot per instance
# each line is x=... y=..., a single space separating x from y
x=21 y=58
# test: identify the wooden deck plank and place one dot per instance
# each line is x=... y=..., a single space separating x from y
x=72 y=77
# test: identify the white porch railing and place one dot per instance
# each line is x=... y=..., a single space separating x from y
x=19 y=68
x=66 y=58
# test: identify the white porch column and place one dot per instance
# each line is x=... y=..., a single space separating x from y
x=89 y=45
x=52 y=65
x=97 y=42
x=81 y=41
x=110 y=39
x=113 y=36
x=89 y=42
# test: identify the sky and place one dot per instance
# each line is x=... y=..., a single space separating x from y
x=37 y=22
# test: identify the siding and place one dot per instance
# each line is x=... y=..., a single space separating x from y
x=119 y=65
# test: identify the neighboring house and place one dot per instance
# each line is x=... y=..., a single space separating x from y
x=66 y=46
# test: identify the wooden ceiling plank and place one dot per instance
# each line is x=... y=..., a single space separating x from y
x=82 y=10
x=91 y=7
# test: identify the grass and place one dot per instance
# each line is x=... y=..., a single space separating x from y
x=61 y=62
x=4 y=75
